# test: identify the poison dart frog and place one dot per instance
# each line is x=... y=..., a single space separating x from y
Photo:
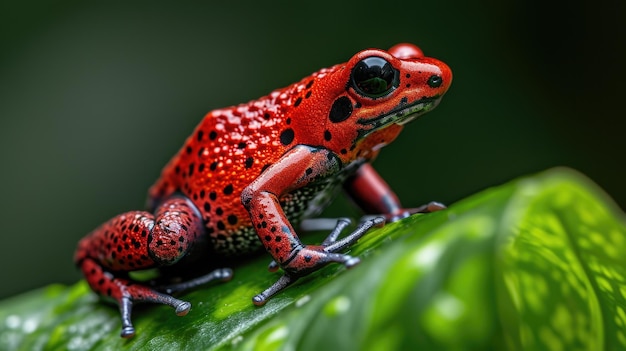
x=249 y=174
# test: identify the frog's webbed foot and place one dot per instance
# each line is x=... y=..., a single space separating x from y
x=310 y=258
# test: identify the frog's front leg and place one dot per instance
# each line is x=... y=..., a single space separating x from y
x=374 y=196
x=138 y=240
x=300 y=166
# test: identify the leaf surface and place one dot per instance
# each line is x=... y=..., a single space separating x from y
x=537 y=263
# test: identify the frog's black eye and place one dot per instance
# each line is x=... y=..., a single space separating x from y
x=374 y=77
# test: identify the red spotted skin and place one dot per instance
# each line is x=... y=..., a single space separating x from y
x=248 y=174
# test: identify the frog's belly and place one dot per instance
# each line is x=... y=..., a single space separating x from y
x=302 y=203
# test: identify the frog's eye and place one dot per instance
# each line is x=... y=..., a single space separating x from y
x=374 y=77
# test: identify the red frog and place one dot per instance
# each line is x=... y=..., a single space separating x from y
x=249 y=174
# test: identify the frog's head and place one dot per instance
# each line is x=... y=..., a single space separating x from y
x=364 y=103
x=394 y=87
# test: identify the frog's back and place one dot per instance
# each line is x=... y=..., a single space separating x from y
x=225 y=153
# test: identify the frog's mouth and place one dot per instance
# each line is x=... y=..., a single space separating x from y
x=401 y=115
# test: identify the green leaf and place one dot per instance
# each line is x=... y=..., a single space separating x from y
x=535 y=264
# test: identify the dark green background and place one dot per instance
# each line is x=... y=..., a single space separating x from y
x=94 y=99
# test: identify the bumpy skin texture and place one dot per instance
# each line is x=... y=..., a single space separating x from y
x=250 y=173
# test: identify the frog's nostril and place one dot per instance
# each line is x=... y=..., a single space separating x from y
x=435 y=81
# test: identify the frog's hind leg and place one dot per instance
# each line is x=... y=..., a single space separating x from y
x=126 y=292
x=139 y=240
x=368 y=189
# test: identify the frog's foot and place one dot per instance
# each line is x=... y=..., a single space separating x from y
x=146 y=295
x=313 y=224
x=127 y=292
x=221 y=274
x=331 y=244
x=139 y=293
x=432 y=206
x=311 y=258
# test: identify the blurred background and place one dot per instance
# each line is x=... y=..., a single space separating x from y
x=95 y=99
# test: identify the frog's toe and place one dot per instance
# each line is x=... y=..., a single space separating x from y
x=351 y=262
x=224 y=274
x=340 y=225
x=273 y=266
x=128 y=332
x=331 y=244
x=283 y=282
x=221 y=274
x=435 y=206
x=430 y=207
x=183 y=308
